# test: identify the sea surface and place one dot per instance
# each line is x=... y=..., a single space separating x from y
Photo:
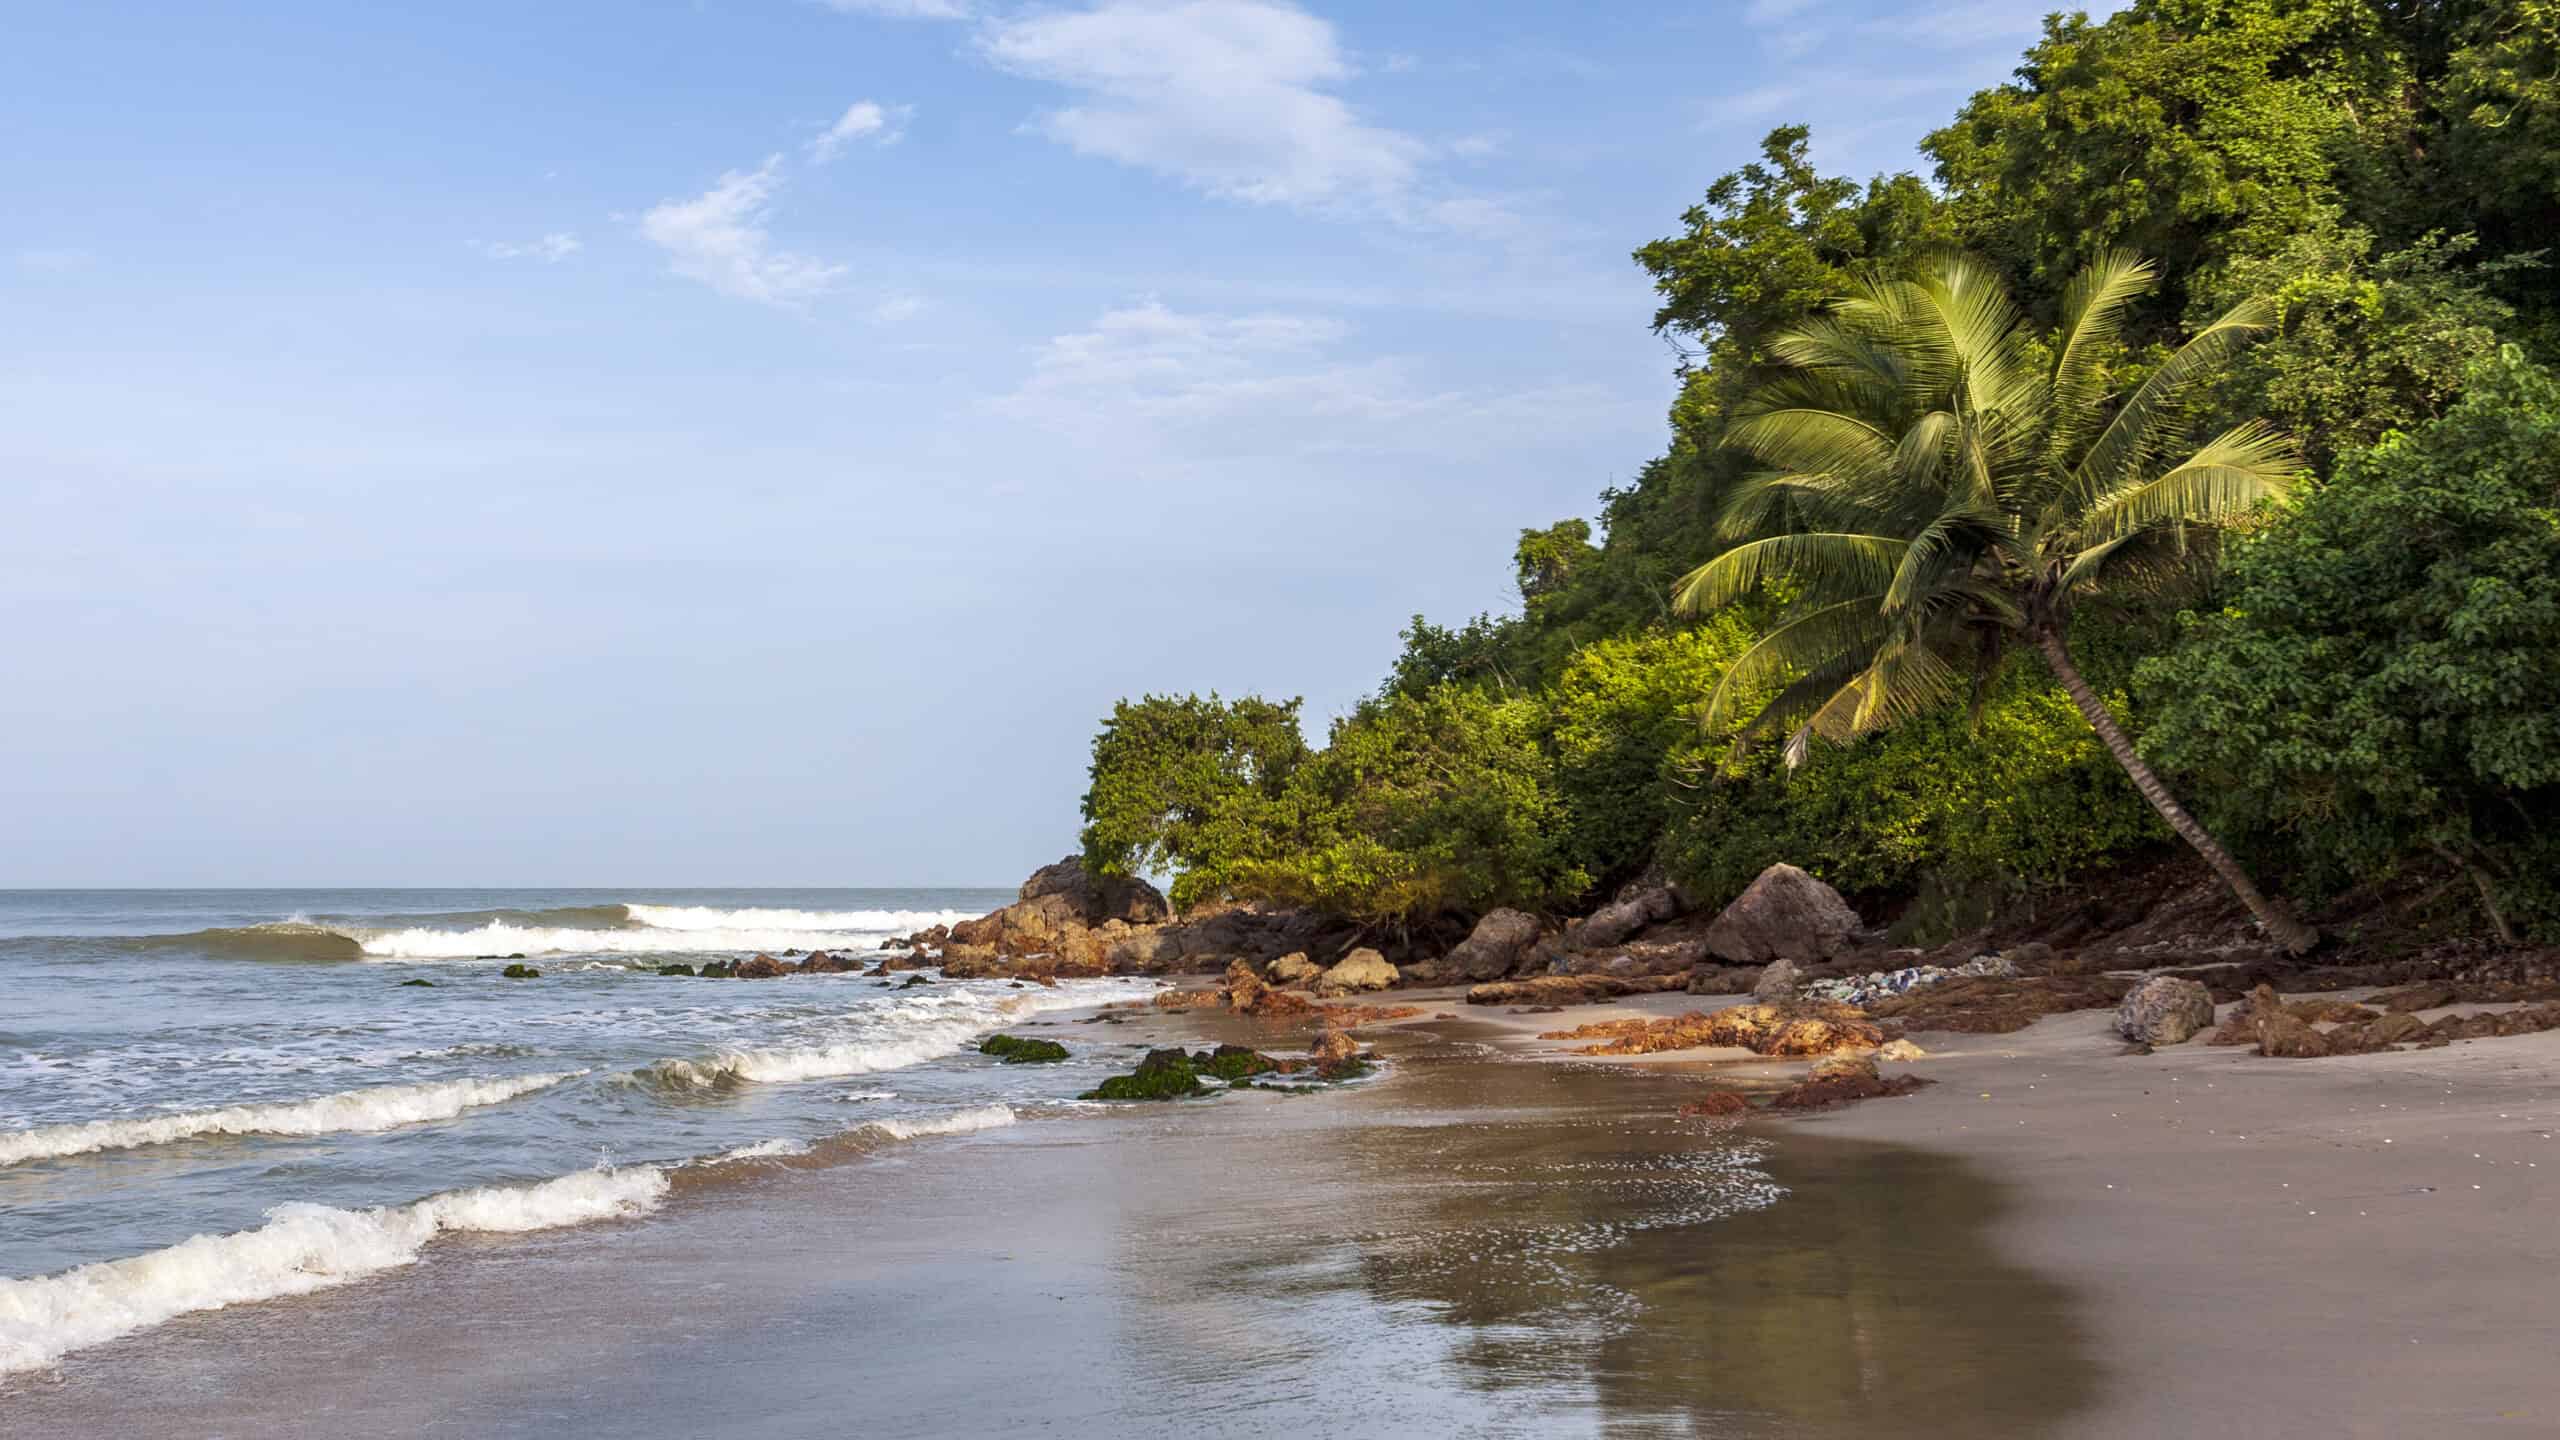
x=214 y=1098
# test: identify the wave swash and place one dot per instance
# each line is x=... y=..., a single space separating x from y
x=385 y=1107
x=644 y=930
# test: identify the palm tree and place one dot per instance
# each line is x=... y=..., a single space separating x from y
x=1944 y=482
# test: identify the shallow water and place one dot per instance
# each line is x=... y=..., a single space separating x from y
x=251 y=1068
x=1469 y=1247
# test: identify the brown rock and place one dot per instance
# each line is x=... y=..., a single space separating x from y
x=1295 y=968
x=1786 y=914
x=2415 y=998
x=2282 y=1035
x=1793 y=1031
x=1715 y=1105
x=1497 y=946
x=1362 y=969
x=1559 y=990
x=821 y=962
x=762 y=967
x=2164 y=1010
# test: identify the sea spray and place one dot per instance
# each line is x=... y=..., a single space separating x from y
x=349 y=1112
x=302 y=1248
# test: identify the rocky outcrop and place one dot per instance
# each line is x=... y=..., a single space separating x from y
x=1618 y=921
x=1499 y=945
x=1097 y=899
x=1362 y=969
x=1786 y=914
x=821 y=962
x=1294 y=968
x=2164 y=1010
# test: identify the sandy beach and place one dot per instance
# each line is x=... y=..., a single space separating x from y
x=2359 y=1246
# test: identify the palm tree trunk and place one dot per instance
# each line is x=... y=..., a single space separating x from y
x=2292 y=934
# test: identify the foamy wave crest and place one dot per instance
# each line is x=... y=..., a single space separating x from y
x=958 y=1122
x=349 y=1112
x=900 y=1033
x=500 y=938
x=301 y=1248
x=703 y=917
x=775 y=1149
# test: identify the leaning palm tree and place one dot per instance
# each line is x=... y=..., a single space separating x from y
x=1945 y=484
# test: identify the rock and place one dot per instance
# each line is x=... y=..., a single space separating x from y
x=718 y=970
x=2242 y=1027
x=2281 y=1034
x=421 y=984
x=1778 y=983
x=1362 y=969
x=2392 y=1030
x=1714 y=1106
x=1497 y=946
x=1013 y=1050
x=1722 y=980
x=1877 y=986
x=1188 y=999
x=1786 y=914
x=913 y=981
x=675 y=969
x=521 y=972
x=1232 y=1063
x=1334 y=1046
x=1613 y=923
x=2416 y=998
x=1097 y=900
x=2321 y=1011
x=2164 y=1010
x=1295 y=968
x=1163 y=1075
x=1847 y=1067
x=1852 y=1081
x=1902 y=1050
x=762 y=967
x=822 y=963
x=1797 y=1031
x=1551 y=991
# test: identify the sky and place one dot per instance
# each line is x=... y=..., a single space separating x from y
x=754 y=442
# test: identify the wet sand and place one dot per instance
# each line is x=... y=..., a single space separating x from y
x=2363 y=1246
x=1471 y=1246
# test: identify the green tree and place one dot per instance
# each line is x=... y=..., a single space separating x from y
x=2380 y=681
x=1172 y=778
x=1946 y=482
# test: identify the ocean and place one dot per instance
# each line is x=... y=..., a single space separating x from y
x=211 y=1098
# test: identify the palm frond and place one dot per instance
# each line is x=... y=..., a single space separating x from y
x=2133 y=436
x=1809 y=641
x=1827 y=562
x=2231 y=473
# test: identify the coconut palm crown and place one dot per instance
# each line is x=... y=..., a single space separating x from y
x=1945 y=483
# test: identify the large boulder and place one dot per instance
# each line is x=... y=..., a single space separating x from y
x=1362 y=969
x=1614 y=923
x=1098 y=898
x=1786 y=914
x=1495 y=948
x=2164 y=1010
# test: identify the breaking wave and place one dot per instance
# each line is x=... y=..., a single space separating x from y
x=302 y=1248
x=349 y=1112
x=902 y=1033
x=630 y=929
x=958 y=1122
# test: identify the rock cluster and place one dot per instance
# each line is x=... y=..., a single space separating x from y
x=2289 y=1030
x=1797 y=1031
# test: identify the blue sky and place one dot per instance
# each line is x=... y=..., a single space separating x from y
x=755 y=441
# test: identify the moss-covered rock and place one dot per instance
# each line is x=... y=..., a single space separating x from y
x=1014 y=1050
x=675 y=970
x=913 y=981
x=521 y=972
x=421 y=984
x=719 y=970
x=1232 y=1063
x=1163 y=1075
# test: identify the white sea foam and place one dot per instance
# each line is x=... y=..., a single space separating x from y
x=958 y=1122
x=500 y=938
x=897 y=1034
x=301 y=1248
x=773 y=1149
x=703 y=917
x=353 y=1111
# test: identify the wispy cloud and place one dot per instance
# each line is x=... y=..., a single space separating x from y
x=1760 y=14
x=550 y=249
x=719 y=238
x=862 y=120
x=1266 y=382
x=1748 y=105
x=1236 y=97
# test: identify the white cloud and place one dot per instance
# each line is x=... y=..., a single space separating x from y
x=893 y=308
x=557 y=246
x=719 y=238
x=1760 y=14
x=1233 y=96
x=862 y=120
x=1480 y=146
x=902 y=9
x=1747 y=105
x=1270 y=383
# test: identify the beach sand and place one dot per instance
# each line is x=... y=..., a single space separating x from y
x=2364 y=1245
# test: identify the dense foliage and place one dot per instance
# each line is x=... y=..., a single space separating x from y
x=2375 y=180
